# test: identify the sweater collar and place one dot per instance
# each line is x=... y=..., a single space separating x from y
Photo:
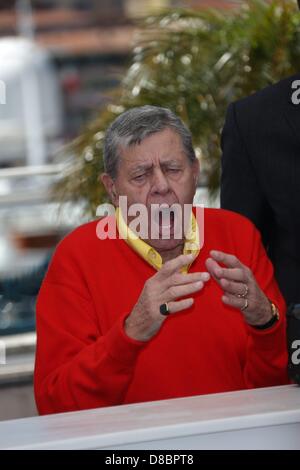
x=147 y=252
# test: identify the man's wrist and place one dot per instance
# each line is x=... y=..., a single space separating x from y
x=132 y=330
x=272 y=318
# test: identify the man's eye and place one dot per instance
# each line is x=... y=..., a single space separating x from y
x=139 y=177
x=173 y=170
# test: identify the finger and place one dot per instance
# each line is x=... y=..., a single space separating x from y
x=175 y=264
x=181 y=279
x=214 y=268
x=175 y=292
x=233 y=301
x=232 y=287
x=231 y=261
x=235 y=274
x=175 y=307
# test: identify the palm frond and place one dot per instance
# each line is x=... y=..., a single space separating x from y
x=195 y=63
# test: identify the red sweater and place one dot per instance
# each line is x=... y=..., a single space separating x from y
x=84 y=359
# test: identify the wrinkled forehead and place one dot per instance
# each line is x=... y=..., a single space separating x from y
x=158 y=148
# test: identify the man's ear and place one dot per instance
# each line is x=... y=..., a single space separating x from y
x=110 y=187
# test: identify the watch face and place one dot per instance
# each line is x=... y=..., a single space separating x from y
x=275 y=311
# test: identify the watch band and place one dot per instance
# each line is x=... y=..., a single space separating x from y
x=274 y=319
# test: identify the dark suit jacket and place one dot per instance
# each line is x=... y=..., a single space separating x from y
x=261 y=174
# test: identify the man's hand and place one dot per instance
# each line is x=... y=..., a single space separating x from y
x=240 y=287
x=167 y=285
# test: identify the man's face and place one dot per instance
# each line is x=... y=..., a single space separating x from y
x=157 y=171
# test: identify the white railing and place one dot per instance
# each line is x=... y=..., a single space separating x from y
x=266 y=418
x=39 y=170
x=37 y=193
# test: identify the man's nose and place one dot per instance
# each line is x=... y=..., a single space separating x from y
x=160 y=184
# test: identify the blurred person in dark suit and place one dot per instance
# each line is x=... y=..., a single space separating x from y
x=261 y=173
x=261 y=180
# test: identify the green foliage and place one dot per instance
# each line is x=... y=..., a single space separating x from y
x=195 y=63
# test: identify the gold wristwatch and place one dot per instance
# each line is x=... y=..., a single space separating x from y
x=274 y=319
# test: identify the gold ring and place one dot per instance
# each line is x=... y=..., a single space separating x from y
x=244 y=295
x=246 y=305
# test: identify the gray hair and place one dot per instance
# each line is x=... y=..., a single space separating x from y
x=134 y=125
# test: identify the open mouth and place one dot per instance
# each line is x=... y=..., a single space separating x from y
x=164 y=220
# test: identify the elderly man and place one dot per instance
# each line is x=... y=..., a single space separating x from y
x=124 y=319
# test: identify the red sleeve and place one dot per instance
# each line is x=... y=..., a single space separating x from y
x=266 y=356
x=77 y=367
